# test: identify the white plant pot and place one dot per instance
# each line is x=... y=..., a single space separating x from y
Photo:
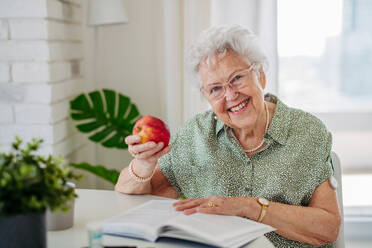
x=61 y=220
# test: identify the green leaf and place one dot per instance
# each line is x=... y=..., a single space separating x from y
x=97 y=137
x=88 y=127
x=116 y=140
x=99 y=170
x=96 y=98
x=31 y=183
x=108 y=119
x=124 y=103
x=81 y=116
x=110 y=98
x=80 y=103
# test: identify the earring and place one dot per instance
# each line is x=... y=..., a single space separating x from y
x=215 y=117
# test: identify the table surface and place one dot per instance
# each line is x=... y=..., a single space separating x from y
x=98 y=205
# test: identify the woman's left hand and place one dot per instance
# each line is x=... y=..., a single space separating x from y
x=214 y=205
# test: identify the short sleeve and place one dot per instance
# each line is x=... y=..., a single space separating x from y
x=325 y=169
x=166 y=166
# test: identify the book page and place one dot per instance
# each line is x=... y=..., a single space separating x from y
x=143 y=221
x=157 y=218
x=242 y=240
x=220 y=229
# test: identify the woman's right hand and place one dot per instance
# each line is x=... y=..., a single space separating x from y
x=146 y=154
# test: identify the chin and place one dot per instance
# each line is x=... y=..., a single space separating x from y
x=243 y=120
x=237 y=122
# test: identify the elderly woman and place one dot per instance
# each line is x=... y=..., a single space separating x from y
x=250 y=156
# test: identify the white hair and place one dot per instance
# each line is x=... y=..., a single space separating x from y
x=216 y=41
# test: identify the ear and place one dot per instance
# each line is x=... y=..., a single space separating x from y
x=262 y=78
x=202 y=91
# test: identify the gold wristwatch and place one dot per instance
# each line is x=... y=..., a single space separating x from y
x=264 y=205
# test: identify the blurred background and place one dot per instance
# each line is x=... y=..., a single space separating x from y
x=320 y=55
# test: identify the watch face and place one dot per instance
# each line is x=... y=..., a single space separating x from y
x=263 y=201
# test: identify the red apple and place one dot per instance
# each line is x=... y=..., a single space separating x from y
x=150 y=128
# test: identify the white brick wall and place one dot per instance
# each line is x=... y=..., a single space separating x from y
x=3 y=30
x=31 y=72
x=64 y=31
x=64 y=11
x=41 y=54
x=65 y=51
x=41 y=113
x=4 y=73
x=14 y=50
x=23 y=8
x=39 y=93
x=52 y=134
x=33 y=114
x=11 y=93
x=14 y=93
x=26 y=29
x=43 y=71
x=65 y=147
x=40 y=51
x=6 y=114
x=26 y=132
x=66 y=89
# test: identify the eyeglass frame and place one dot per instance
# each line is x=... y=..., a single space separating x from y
x=228 y=83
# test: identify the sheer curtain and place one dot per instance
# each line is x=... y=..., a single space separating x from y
x=260 y=17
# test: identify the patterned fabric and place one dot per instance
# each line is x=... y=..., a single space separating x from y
x=206 y=159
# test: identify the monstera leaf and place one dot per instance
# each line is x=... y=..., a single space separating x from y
x=109 y=116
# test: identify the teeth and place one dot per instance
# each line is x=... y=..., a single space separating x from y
x=239 y=107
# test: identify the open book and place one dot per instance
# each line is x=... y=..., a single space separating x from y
x=157 y=218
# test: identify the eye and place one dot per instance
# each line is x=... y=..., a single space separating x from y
x=235 y=79
x=215 y=89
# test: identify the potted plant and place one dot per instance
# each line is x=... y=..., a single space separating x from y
x=108 y=117
x=29 y=184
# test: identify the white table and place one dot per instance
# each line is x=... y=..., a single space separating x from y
x=98 y=205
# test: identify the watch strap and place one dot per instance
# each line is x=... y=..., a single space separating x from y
x=263 y=210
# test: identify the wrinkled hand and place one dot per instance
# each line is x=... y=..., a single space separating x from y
x=213 y=205
x=148 y=152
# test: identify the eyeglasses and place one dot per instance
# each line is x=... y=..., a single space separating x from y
x=216 y=92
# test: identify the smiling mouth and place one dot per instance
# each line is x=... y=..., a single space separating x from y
x=240 y=107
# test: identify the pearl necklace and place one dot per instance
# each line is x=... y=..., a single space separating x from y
x=263 y=141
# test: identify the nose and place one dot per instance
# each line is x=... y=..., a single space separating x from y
x=230 y=94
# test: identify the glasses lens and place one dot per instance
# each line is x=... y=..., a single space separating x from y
x=237 y=81
x=216 y=92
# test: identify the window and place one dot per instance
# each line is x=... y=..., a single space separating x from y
x=325 y=54
x=325 y=67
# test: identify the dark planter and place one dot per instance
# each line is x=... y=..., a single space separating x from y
x=23 y=231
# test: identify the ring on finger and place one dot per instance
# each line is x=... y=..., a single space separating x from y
x=211 y=204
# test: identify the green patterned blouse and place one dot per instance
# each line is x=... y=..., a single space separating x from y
x=206 y=159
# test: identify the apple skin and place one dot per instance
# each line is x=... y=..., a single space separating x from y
x=150 y=128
